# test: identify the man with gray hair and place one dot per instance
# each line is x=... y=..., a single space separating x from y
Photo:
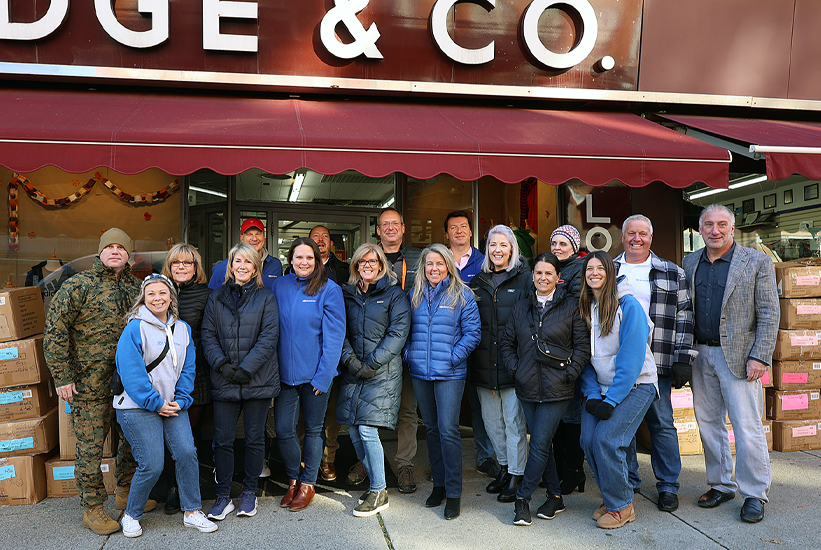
x=661 y=288
x=736 y=315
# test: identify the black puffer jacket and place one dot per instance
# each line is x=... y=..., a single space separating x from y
x=191 y=300
x=561 y=323
x=377 y=326
x=485 y=366
x=241 y=326
x=571 y=275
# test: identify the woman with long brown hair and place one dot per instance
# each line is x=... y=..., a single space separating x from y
x=618 y=384
x=311 y=332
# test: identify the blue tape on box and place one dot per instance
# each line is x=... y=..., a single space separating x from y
x=11 y=397
x=16 y=444
x=60 y=473
x=7 y=472
x=9 y=353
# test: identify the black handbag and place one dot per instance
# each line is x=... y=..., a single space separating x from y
x=117 y=383
x=547 y=353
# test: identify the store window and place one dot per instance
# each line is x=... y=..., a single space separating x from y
x=780 y=218
x=56 y=226
x=348 y=188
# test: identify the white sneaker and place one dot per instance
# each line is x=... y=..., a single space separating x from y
x=198 y=521
x=131 y=527
x=266 y=471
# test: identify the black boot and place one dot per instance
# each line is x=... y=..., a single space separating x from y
x=172 y=502
x=573 y=477
x=508 y=494
x=559 y=448
x=501 y=481
x=453 y=507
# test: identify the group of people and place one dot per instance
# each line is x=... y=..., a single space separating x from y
x=579 y=346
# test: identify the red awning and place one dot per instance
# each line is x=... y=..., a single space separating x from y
x=130 y=132
x=788 y=147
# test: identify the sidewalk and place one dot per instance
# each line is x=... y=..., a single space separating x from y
x=792 y=519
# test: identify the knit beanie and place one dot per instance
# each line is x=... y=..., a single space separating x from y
x=115 y=236
x=571 y=234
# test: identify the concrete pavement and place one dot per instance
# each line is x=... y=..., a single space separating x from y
x=792 y=519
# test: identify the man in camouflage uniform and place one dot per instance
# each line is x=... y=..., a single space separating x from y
x=83 y=325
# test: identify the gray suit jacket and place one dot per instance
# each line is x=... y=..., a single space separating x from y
x=749 y=311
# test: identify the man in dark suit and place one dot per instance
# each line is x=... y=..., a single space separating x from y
x=736 y=323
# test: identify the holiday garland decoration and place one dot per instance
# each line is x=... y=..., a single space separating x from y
x=17 y=180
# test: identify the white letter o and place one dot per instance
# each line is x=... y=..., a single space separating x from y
x=589 y=31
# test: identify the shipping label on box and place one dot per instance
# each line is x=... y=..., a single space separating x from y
x=29 y=437
x=60 y=477
x=797 y=375
x=22 y=363
x=68 y=440
x=797 y=344
x=22 y=313
x=27 y=401
x=800 y=313
x=798 y=279
x=22 y=480
x=793 y=404
x=682 y=401
x=796 y=435
x=689 y=438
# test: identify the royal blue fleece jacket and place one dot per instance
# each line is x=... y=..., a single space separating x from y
x=311 y=332
x=473 y=267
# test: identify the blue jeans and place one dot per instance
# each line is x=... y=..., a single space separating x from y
x=369 y=449
x=439 y=402
x=505 y=424
x=716 y=392
x=286 y=415
x=542 y=419
x=484 y=448
x=605 y=444
x=149 y=433
x=664 y=453
x=226 y=413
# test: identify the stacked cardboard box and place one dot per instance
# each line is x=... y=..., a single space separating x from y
x=28 y=411
x=689 y=439
x=793 y=403
x=61 y=482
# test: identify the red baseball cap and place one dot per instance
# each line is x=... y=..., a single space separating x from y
x=249 y=223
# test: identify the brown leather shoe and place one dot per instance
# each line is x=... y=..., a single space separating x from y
x=293 y=488
x=327 y=471
x=303 y=498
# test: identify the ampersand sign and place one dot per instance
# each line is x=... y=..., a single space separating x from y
x=345 y=11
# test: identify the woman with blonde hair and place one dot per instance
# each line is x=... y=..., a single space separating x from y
x=240 y=331
x=378 y=321
x=445 y=328
x=155 y=362
x=183 y=265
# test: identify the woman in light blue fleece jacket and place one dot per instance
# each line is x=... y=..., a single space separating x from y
x=618 y=384
x=153 y=408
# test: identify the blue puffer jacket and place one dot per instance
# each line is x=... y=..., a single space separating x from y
x=240 y=326
x=378 y=325
x=311 y=331
x=442 y=336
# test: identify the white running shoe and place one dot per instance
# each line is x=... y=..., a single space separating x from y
x=131 y=527
x=198 y=521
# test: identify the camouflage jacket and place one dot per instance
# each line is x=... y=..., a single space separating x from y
x=84 y=322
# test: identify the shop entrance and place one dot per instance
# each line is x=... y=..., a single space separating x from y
x=349 y=227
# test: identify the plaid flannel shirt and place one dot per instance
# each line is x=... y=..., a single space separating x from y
x=672 y=313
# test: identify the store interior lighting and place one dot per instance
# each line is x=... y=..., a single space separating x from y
x=207 y=191
x=298 y=179
x=735 y=184
x=388 y=202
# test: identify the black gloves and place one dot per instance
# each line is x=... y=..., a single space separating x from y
x=599 y=408
x=226 y=371
x=590 y=405
x=359 y=369
x=241 y=376
x=682 y=373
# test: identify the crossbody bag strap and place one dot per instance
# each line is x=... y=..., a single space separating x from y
x=153 y=364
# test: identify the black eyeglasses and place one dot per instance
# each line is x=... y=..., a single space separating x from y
x=363 y=263
x=186 y=263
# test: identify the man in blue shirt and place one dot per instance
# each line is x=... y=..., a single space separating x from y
x=252 y=232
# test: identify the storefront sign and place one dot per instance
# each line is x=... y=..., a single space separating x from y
x=567 y=43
